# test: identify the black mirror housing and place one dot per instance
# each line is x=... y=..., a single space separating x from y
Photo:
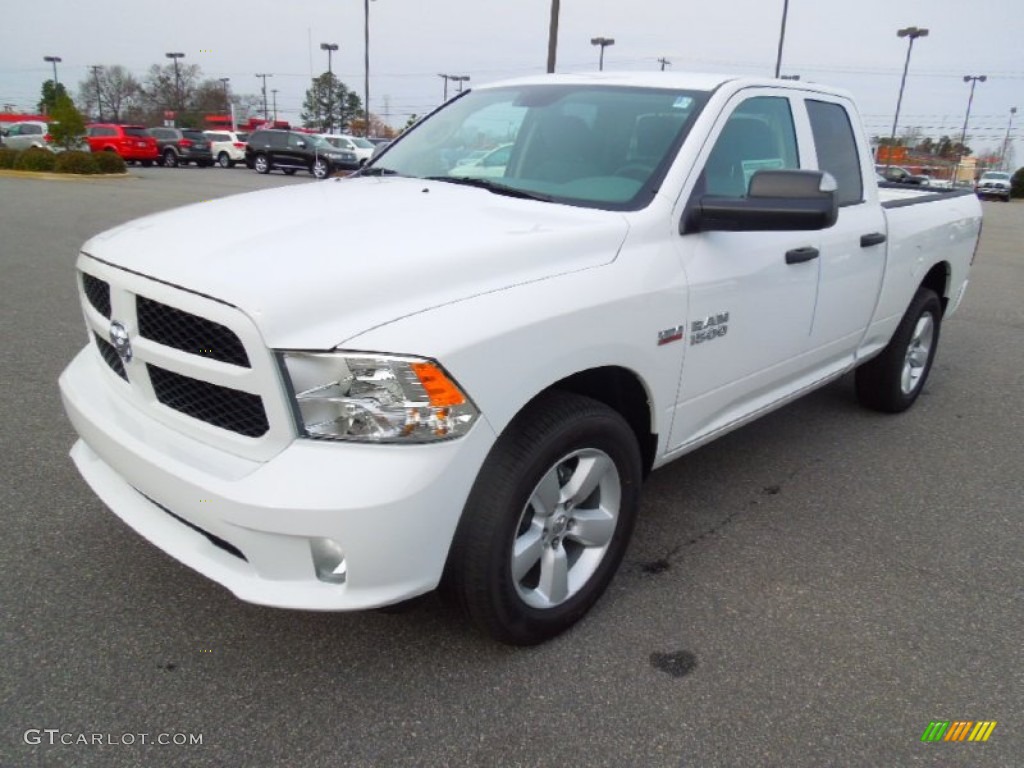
x=777 y=201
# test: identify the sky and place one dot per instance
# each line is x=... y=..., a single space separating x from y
x=850 y=44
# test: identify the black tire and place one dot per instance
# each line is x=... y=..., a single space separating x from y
x=170 y=159
x=225 y=161
x=893 y=380
x=556 y=439
x=261 y=163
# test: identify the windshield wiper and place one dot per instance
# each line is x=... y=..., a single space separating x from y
x=490 y=186
x=375 y=170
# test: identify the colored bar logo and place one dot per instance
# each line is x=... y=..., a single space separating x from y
x=958 y=730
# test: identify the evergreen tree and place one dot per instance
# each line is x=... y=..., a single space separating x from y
x=50 y=94
x=329 y=105
x=67 y=126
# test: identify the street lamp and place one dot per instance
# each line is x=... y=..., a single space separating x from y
x=604 y=42
x=973 y=80
x=330 y=48
x=224 y=82
x=177 y=78
x=789 y=77
x=1006 y=142
x=55 y=60
x=913 y=33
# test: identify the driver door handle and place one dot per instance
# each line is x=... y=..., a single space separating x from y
x=800 y=255
x=875 y=238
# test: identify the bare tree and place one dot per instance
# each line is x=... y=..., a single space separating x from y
x=118 y=92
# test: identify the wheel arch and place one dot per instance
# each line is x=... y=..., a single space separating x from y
x=624 y=392
x=938 y=279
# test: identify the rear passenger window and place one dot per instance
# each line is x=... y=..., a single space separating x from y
x=837 y=149
x=758 y=136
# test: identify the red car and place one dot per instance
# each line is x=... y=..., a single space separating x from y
x=131 y=142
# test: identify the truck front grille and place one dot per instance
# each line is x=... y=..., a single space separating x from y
x=189 y=333
x=220 y=406
x=192 y=363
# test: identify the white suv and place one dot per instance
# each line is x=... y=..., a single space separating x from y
x=363 y=148
x=227 y=147
x=994 y=184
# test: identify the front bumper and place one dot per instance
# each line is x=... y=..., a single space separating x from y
x=392 y=509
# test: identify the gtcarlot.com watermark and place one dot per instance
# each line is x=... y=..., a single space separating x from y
x=56 y=737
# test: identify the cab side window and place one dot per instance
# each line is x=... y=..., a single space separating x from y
x=837 y=148
x=759 y=135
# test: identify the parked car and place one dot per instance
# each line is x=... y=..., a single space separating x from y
x=898 y=175
x=227 y=147
x=34 y=133
x=482 y=166
x=362 y=148
x=180 y=146
x=291 y=151
x=994 y=184
x=380 y=146
x=131 y=142
x=410 y=378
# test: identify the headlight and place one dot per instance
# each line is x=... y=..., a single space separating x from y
x=376 y=398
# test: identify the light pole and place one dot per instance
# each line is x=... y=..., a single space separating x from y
x=177 y=77
x=330 y=48
x=913 y=33
x=273 y=92
x=782 y=36
x=264 y=76
x=55 y=60
x=553 y=36
x=604 y=42
x=366 y=63
x=973 y=80
x=224 y=82
x=99 y=98
x=1006 y=142
x=460 y=79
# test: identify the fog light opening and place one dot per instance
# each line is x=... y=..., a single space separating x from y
x=328 y=560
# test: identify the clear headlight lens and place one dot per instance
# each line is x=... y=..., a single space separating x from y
x=376 y=398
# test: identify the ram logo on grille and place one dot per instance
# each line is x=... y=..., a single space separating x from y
x=120 y=341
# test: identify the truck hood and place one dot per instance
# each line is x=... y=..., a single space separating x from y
x=317 y=264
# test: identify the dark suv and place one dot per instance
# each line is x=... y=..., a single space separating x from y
x=292 y=151
x=179 y=146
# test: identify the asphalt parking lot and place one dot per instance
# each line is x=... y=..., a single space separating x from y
x=811 y=590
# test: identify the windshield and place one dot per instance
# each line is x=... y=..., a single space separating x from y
x=598 y=146
x=362 y=143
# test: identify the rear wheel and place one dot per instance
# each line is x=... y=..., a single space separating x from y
x=170 y=159
x=261 y=163
x=320 y=168
x=225 y=161
x=548 y=519
x=892 y=381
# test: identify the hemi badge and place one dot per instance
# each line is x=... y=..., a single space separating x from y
x=670 y=335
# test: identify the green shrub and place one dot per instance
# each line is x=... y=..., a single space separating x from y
x=8 y=157
x=110 y=162
x=1017 y=183
x=35 y=159
x=76 y=162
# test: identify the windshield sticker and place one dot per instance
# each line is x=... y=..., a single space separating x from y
x=682 y=102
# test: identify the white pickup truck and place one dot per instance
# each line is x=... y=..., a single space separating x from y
x=368 y=387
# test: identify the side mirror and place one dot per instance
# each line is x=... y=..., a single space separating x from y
x=776 y=201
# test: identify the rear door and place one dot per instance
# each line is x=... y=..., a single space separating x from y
x=853 y=251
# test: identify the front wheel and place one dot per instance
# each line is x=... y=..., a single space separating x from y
x=170 y=159
x=320 y=169
x=548 y=520
x=261 y=164
x=892 y=380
